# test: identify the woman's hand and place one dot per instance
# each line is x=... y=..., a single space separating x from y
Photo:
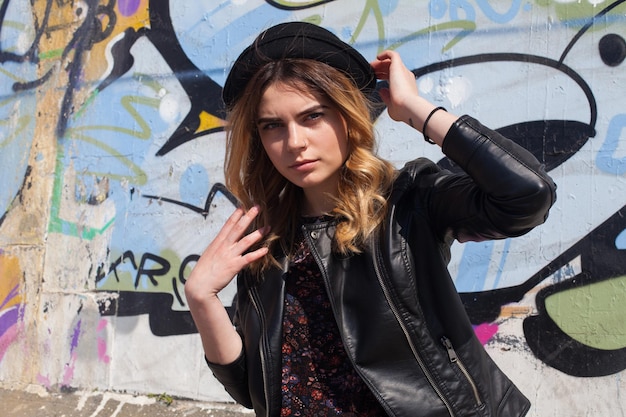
x=402 y=86
x=403 y=101
x=216 y=268
x=225 y=256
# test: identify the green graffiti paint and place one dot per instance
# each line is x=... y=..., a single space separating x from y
x=594 y=314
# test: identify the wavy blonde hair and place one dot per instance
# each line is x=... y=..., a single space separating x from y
x=365 y=179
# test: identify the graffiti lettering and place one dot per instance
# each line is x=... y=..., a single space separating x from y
x=137 y=171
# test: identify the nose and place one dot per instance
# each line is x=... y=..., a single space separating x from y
x=296 y=137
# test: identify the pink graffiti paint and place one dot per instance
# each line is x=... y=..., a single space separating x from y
x=102 y=351
x=43 y=380
x=102 y=325
x=102 y=343
x=68 y=375
x=7 y=338
x=128 y=7
x=485 y=332
x=10 y=301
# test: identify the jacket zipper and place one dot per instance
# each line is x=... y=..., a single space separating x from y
x=454 y=359
x=327 y=285
x=255 y=303
x=394 y=309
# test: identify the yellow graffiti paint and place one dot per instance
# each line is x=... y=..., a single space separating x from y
x=65 y=18
x=208 y=122
x=10 y=274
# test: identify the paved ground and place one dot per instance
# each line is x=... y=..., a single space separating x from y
x=37 y=402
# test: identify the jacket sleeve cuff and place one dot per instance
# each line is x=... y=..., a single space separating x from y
x=230 y=374
x=463 y=140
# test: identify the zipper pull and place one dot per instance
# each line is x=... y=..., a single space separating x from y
x=448 y=345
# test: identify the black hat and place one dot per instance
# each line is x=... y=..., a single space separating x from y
x=298 y=40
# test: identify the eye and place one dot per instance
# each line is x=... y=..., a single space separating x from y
x=269 y=125
x=314 y=116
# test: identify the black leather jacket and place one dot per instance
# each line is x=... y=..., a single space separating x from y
x=399 y=315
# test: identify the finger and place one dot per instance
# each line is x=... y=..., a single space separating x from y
x=381 y=69
x=250 y=239
x=230 y=223
x=387 y=55
x=255 y=255
x=245 y=257
x=242 y=224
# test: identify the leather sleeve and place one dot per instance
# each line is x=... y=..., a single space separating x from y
x=234 y=376
x=503 y=192
x=234 y=379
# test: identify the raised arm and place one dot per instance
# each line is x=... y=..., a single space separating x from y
x=404 y=104
x=221 y=261
x=506 y=191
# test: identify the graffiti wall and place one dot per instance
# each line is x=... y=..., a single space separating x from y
x=111 y=149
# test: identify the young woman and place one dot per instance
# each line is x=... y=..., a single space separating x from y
x=345 y=306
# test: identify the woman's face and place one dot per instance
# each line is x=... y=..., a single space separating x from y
x=305 y=137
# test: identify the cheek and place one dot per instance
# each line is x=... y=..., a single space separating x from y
x=345 y=145
x=272 y=150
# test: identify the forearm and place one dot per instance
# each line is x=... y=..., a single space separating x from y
x=221 y=261
x=418 y=109
x=220 y=341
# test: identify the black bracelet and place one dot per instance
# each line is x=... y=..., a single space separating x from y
x=435 y=110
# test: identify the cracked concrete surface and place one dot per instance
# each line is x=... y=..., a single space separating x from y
x=36 y=401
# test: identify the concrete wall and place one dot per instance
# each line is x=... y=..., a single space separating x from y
x=111 y=148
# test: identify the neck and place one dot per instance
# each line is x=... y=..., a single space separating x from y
x=315 y=206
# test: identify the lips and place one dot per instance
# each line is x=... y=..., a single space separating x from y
x=302 y=165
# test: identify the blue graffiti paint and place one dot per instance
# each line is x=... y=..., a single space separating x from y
x=437 y=8
x=16 y=109
x=620 y=240
x=505 y=252
x=194 y=185
x=505 y=17
x=462 y=10
x=387 y=7
x=606 y=159
x=213 y=48
x=474 y=266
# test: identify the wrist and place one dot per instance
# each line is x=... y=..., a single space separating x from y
x=417 y=110
x=425 y=125
x=198 y=295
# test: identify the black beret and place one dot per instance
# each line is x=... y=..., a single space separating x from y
x=297 y=40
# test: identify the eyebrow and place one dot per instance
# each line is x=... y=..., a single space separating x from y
x=312 y=109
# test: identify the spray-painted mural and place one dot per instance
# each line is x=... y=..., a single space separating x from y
x=111 y=148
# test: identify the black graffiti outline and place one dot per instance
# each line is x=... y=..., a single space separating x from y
x=538 y=147
x=203 y=92
x=163 y=320
x=159 y=34
x=545 y=339
x=204 y=211
x=286 y=5
x=79 y=43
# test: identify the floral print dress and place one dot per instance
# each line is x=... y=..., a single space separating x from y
x=318 y=379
